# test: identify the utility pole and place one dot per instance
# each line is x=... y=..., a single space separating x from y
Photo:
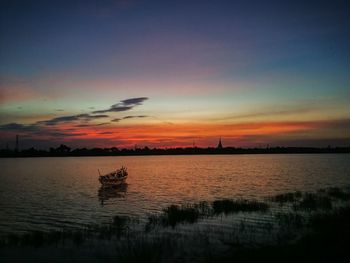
x=17 y=143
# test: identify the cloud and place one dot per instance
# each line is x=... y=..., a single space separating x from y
x=124 y=105
x=134 y=101
x=55 y=134
x=129 y=117
x=83 y=125
x=38 y=132
x=114 y=108
x=83 y=117
x=101 y=124
x=107 y=132
x=52 y=128
x=137 y=116
x=342 y=124
x=18 y=127
x=270 y=113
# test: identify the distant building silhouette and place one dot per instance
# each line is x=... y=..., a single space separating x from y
x=220 y=144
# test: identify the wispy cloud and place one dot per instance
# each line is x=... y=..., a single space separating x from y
x=270 y=113
x=83 y=117
x=18 y=127
x=87 y=125
x=49 y=126
x=103 y=123
x=71 y=125
x=134 y=101
x=130 y=117
x=107 y=132
x=137 y=116
x=124 y=105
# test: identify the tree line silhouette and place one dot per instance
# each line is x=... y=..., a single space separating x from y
x=64 y=150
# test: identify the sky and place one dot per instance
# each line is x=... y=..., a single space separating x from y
x=120 y=73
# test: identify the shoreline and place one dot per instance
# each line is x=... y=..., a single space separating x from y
x=173 y=151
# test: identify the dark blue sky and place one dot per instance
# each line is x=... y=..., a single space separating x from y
x=51 y=35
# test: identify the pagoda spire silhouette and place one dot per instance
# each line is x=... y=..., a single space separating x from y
x=220 y=144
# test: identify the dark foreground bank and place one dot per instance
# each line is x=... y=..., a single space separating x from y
x=290 y=227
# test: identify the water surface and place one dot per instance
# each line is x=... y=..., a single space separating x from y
x=56 y=193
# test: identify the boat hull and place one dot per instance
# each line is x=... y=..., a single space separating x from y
x=113 y=182
x=114 y=178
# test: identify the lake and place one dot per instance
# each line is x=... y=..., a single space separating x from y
x=55 y=193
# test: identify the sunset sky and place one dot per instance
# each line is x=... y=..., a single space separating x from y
x=169 y=73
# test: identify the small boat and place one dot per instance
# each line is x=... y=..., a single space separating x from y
x=114 y=178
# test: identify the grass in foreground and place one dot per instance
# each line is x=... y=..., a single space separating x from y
x=191 y=213
x=233 y=206
x=324 y=234
x=327 y=240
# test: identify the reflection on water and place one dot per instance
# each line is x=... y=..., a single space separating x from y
x=56 y=193
x=117 y=191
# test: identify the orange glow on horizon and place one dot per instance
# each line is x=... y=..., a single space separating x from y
x=176 y=135
x=170 y=135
